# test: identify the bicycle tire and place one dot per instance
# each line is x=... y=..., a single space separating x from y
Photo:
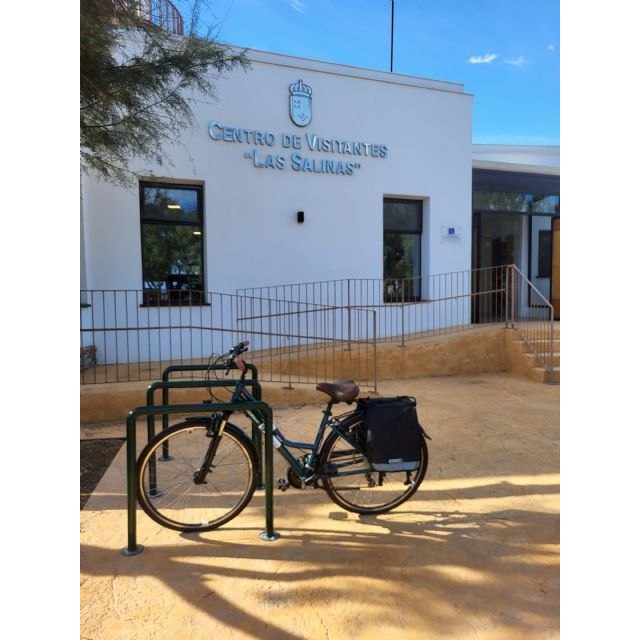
x=370 y=492
x=176 y=501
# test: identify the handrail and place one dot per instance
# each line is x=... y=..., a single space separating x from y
x=532 y=316
x=162 y=13
x=123 y=339
x=407 y=308
x=305 y=332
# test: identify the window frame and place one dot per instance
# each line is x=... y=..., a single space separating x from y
x=168 y=297
x=414 y=282
x=544 y=266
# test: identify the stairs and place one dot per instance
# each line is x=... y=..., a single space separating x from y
x=523 y=361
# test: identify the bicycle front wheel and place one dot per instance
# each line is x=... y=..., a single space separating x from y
x=354 y=485
x=169 y=489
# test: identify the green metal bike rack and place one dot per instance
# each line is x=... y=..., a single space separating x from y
x=151 y=410
x=256 y=434
x=256 y=389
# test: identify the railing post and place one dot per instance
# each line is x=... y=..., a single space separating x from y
x=550 y=355
x=348 y=314
x=513 y=296
x=375 y=354
x=402 y=323
x=508 y=294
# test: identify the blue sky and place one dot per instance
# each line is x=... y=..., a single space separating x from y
x=505 y=52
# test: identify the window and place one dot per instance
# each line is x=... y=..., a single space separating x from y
x=544 y=253
x=516 y=202
x=402 y=250
x=172 y=244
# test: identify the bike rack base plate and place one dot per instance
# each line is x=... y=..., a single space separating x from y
x=269 y=538
x=128 y=552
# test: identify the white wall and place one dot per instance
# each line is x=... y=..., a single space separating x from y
x=525 y=158
x=252 y=237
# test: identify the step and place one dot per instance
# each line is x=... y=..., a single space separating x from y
x=540 y=345
x=536 y=326
x=534 y=361
x=542 y=375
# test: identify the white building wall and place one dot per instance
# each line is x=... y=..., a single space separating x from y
x=252 y=237
x=523 y=158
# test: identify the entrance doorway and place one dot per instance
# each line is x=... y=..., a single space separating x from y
x=513 y=214
x=498 y=243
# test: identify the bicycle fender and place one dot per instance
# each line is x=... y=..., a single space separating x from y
x=425 y=434
x=198 y=419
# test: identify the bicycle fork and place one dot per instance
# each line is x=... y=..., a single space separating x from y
x=214 y=433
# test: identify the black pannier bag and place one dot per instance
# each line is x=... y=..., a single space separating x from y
x=393 y=433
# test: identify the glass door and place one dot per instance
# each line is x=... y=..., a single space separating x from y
x=540 y=262
x=498 y=243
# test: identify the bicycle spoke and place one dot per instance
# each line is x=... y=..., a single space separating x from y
x=180 y=502
x=364 y=490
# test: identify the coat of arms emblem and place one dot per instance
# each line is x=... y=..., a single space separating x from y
x=300 y=103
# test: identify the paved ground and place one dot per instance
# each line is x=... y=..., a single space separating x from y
x=475 y=554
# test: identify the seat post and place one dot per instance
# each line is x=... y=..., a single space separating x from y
x=327 y=411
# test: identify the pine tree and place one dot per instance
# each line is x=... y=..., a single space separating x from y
x=139 y=71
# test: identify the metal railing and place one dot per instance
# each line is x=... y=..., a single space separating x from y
x=408 y=308
x=128 y=335
x=532 y=316
x=305 y=332
x=162 y=13
x=412 y=308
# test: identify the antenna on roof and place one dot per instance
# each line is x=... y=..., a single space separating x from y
x=392 y=12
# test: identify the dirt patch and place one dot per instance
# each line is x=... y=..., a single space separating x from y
x=95 y=457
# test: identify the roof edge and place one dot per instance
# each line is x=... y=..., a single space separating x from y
x=278 y=59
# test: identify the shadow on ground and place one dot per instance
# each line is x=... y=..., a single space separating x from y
x=475 y=553
x=449 y=571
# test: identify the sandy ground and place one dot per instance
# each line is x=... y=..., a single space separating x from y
x=475 y=554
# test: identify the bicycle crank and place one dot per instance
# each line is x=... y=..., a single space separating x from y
x=295 y=481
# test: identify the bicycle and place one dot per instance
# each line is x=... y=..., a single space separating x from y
x=201 y=473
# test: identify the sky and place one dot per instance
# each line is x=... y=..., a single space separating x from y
x=506 y=53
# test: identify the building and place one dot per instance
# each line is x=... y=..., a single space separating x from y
x=304 y=171
x=516 y=213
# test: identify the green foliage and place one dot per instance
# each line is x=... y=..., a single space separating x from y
x=138 y=82
x=171 y=249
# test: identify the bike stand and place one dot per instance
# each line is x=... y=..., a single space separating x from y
x=151 y=410
x=166 y=385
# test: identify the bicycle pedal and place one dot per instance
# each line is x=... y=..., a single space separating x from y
x=283 y=484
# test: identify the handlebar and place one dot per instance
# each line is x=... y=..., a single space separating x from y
x=234 y=356
x=239 y=348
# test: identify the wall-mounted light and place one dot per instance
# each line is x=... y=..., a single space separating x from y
x=174 y=206
x=300 y=217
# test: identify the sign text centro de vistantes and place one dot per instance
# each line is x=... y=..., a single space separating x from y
x=263 y=155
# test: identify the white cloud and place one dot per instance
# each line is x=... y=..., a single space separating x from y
x=517 y=62
x=551 y=47
x=296 y=5
x=487 y=58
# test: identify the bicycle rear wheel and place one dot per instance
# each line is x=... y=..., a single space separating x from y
x=167 y=490
x=354 y=485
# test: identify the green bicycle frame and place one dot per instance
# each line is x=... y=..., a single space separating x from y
x=307 y=470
